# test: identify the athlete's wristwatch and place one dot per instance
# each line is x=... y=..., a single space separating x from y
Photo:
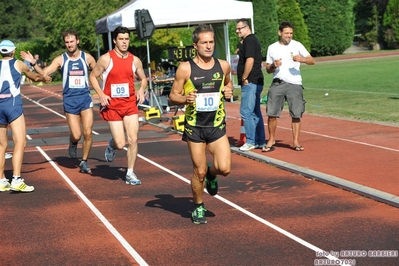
x=34 y=64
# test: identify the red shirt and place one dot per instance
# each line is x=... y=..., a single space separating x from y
x=119 y=81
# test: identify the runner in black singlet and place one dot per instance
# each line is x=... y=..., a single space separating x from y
x=202 y=84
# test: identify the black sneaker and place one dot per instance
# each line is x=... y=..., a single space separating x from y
x=198 y=215
x=211 y=183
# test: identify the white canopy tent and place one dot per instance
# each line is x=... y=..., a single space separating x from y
x=178 y=13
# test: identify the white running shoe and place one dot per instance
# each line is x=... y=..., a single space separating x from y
x=131 y=179
x=4 y=185
x=247 y=147
x=19 y=185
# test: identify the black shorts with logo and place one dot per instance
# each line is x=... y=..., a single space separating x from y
x=203 y=134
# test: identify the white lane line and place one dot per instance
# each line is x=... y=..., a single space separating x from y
x=41 y=105
x=100 y=216
x=250 y=214
x=332 y=137
x=51 y=110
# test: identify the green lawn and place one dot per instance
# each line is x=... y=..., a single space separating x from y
x=362 y=89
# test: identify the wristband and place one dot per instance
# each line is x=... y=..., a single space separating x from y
x=34 y=64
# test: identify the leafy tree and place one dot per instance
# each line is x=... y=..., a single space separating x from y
x=374 y=22
x=330 y=24
x=363 y=10
x=14 y=19
x=60 y=15
x=288 y=10
x=391 y=24
x=265 y=22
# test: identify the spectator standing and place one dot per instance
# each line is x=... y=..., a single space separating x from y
x=201 y=84
x=38 y=61
x=250 y=77
x=119 y=99
x=11 y=113
x=283 y=59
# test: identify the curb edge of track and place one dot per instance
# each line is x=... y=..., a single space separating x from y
x=362 y=190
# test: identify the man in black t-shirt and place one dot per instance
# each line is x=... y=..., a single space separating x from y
x=250 y=77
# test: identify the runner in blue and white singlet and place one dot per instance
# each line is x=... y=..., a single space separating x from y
x=74 y=65
x=10 y=98
x=75 y=84
x=11 y=114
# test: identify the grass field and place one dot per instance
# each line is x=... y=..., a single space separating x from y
x=361 y=89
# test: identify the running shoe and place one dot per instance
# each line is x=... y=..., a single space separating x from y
x=211 y=182
x=247 y=147
x=4 y=185
x=8 y=155
x=84 y=167
x=19 y=185
x=110 y=152
x=73 y=149
x=198 y=215
x=131 y=179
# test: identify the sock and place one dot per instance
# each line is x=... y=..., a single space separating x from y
x=197 y=205
x=17 y=179
x=129 y=171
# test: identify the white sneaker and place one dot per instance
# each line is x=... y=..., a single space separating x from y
x=131 y=179
x=8 y=155
x=4 y=185
x=19 y=185
x=247 y=147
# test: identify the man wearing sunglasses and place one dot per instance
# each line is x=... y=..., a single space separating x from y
x=250 y=77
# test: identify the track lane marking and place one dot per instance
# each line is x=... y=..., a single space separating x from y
x=250 y=214
x=51 y=110
x=332 y=137
x=99 y=215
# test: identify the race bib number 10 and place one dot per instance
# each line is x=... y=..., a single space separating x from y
x=207 y=102
x=120 y=90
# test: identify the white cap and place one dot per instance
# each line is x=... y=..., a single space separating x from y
x=6 y=47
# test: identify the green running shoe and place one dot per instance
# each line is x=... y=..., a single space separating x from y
x=198 y=215
x=211 y=183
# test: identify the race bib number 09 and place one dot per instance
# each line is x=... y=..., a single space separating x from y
x=120 y=90
x=207 y=102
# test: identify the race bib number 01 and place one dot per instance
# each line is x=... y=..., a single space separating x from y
x=76 y=82
x=120 y=90
x=207 y=102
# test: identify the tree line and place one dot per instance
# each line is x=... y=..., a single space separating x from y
x=325 y=27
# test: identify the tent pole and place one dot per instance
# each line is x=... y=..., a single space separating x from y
x=153 y=97
x=98 y=48
x=109 y=41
